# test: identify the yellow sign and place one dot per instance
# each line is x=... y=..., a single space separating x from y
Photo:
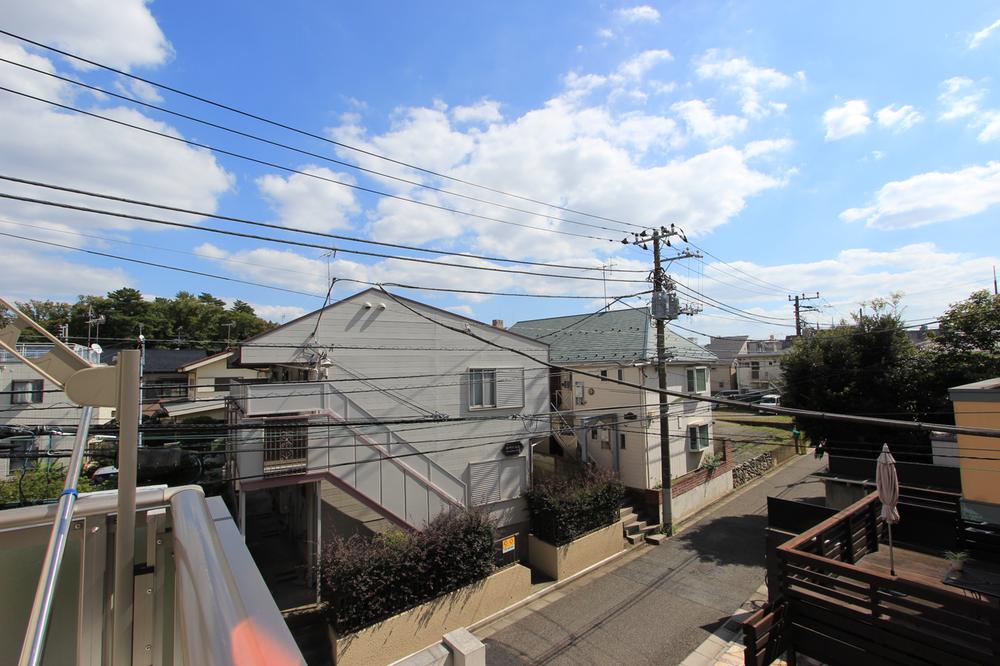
x=508 y=544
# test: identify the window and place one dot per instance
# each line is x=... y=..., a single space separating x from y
x=697 y=437
x=285 y=445
x=621 y=441
x=621 y=375
x=497 y=480
x=696 y=380
x=27 y=392
x=578 y=393
x=482 y=388
x=604 y=375
x=496 y=388
x=223 y=384
x=754 y=369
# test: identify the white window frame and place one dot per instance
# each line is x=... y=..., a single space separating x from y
x=483 y=378
x=693 y=375
x=698 y=437
x=29 y=394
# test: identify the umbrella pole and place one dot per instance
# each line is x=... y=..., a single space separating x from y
x=892 y=558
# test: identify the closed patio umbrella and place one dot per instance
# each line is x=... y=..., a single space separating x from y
x=887 y=485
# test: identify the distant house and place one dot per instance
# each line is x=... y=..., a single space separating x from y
x=978 y=405
x=726 y=350
x=374 y=417
x=29 y=400
x=617 y=427
x=208 y=381
x=758 y=366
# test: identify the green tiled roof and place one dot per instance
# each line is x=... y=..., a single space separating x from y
x=618 y=336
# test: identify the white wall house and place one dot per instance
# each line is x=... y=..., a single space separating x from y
x=618 y=427
x=758 y=366
x=375 y=415
x=208 y=382
x=28 y=399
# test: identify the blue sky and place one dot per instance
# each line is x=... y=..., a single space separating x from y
x=847 y=148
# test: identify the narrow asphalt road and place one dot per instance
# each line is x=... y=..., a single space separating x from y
x=658 y=607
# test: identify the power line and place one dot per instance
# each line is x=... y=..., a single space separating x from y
x=312 y=135
x=317 y=246
x=302 y=151
x=910 y=425
x=267 y=225
x=303 y=293
x=281 y=167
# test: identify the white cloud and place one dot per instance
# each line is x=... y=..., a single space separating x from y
x=639 y=14
x=991 y=126
x=898 y=118
x=703 y=123
x=122 y=34
x=961 y=100
x=486 y=111
x=846 y=120
x=766 y=147
x=30 y=274
x=461 y=309
x=638 y=66
x=977 y=39
x=957 y=98
x=931 y=197
x=309 y=203
x=844 y=280
x=750 y=82
x=278 y=313
x=139 y=90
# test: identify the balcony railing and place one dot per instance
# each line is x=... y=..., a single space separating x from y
x=829 y=608
x=199 y=597
x=37 y=350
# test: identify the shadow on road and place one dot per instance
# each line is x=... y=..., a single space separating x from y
x=727 y=540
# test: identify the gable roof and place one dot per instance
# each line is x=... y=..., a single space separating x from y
x=617 y=336
x=378 y=292
x=161 y=360
x=206 y=361
x=727 y=348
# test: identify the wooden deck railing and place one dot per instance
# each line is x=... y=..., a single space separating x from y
x=840 y=613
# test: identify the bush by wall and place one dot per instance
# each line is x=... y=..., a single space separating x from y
x=366 y=580
x=563 y=509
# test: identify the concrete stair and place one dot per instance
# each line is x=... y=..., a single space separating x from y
x=637 y=531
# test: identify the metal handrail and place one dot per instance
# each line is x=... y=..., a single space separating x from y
x=41 y=608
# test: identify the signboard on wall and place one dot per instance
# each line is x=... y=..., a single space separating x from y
x=509 y=543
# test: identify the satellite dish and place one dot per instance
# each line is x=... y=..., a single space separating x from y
x=97 y=348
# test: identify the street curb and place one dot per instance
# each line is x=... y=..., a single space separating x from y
x=721 y=640
x=556 y=585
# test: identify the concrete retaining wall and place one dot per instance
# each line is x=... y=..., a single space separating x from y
x=702 y=495
x=404 y=634
x=559 y=562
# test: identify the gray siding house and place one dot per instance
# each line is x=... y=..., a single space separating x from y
x=615 y=426
x=375 y=417
x=29 y=400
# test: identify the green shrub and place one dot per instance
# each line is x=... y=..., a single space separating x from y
x=367 y=580
x=44 y=482
x=563 y=509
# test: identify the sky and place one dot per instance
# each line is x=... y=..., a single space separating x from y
x=850 y=149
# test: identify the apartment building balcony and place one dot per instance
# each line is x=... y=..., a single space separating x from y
x=199 y=598
x=38 y=350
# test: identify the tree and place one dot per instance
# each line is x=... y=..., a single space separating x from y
x=965 y=349
x=865 y=368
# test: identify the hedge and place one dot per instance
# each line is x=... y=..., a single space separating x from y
x=369 y=579
x=563 y=509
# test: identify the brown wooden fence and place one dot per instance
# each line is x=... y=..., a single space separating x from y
x=842 y=614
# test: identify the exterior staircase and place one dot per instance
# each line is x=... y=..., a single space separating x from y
x=636 y=530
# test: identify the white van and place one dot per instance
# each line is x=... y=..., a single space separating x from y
x=770 y=400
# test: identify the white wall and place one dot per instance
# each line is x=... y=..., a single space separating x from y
x=365 y=342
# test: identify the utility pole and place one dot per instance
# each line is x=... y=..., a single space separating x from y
x=665 y=305
x=798 y=311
